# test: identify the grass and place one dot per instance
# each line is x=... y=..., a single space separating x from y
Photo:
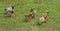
x=16 y=23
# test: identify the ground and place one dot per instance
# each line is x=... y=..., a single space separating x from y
x=22 y=7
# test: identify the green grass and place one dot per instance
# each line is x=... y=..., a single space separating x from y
x=17 y=23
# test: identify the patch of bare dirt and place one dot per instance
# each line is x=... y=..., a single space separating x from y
x=3 y=29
